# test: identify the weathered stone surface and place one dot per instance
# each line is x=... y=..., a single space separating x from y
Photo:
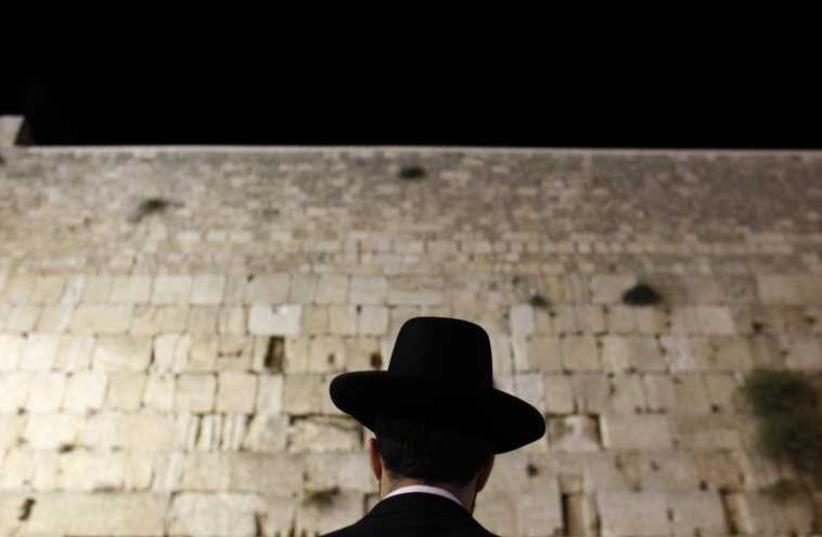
x=324 y=434
x=45 y=392
x=559 y=395
x=195 y=393
x=303 y=393
x=326 y=353
x=122 y=353
x=372 y=320
x=266 y=319
x=192 y=345
x=609 y=288
x=101 y=318
x=125 y=390
x=79 y=514
x=635 y=432
x=269 y=288
x=207 y=289
x=332 y=289
x=149 y=320
x=367 y=289
x=39 y=352
x=342 y=319
x=580 y=353
x=213 y=515
x=269 y=394
x=130 y=289
x=171 y=290
x=320 y=512
x=236 y=392
x=573 y=433
x=633 y=513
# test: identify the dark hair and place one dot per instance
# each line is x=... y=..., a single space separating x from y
x=429 y=449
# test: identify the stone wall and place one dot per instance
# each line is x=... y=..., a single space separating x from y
x=170 y=320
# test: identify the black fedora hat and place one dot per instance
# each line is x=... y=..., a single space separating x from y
x=440 y=367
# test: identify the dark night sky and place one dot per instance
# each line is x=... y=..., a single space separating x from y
x=317 y=107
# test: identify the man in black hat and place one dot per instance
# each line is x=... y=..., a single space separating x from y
x=438 y=421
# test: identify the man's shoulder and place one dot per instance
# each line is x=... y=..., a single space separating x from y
x=358 y=529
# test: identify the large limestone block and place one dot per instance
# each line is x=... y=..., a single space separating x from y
x=269 y=288
x=207 y=289
x=326 y=470
x=609 y=288
x=696 y=512
x=364 y=289
x=51 y=431
x=326 y=354
x=631 y=353
x=269 y=394
x=540 y=353
x=303 y=393
x=342 y=319
x=266 y=433
x=11 y=347
x=796 y=289
x=635 y=432
x=326 y=433
x=130 y=289
x=574 y=433
x=213 y=515
x=559 y=394
x=236 y=392
x=39 y=352
x=125 y=390
x=320 y=512
x=122 y=353
x=45 y=392
x=332 y=289
x=153 y=319
x=171 y=290
x=580 y=353
x=627 y=394
x=195 y=392
x=372 y=320
x=633 y=513
x=98 y=515
x=268 y=319
x=102 y=318
x=702 y=320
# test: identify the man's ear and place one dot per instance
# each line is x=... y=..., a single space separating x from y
x=374 y=455
x=485 y=472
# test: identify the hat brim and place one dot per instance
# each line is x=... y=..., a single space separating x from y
x=508 y=421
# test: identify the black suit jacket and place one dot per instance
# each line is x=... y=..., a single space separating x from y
x=415 y=514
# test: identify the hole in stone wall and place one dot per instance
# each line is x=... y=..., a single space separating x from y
x=323 y=497
x=411 y=172
x=275 y=354
x=538 y=301
x=731 y=507
x=25 y=509
x=572 y=514
x=641 y=295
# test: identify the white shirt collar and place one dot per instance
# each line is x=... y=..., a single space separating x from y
x=425 y=488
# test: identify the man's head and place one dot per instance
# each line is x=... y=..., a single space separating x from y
x=422 y=450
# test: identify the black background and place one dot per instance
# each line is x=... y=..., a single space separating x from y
x=363 y=104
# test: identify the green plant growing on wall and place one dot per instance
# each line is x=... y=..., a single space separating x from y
x=790 y=421
x=151 y=206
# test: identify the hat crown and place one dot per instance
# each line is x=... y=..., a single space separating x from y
x=443 y=350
